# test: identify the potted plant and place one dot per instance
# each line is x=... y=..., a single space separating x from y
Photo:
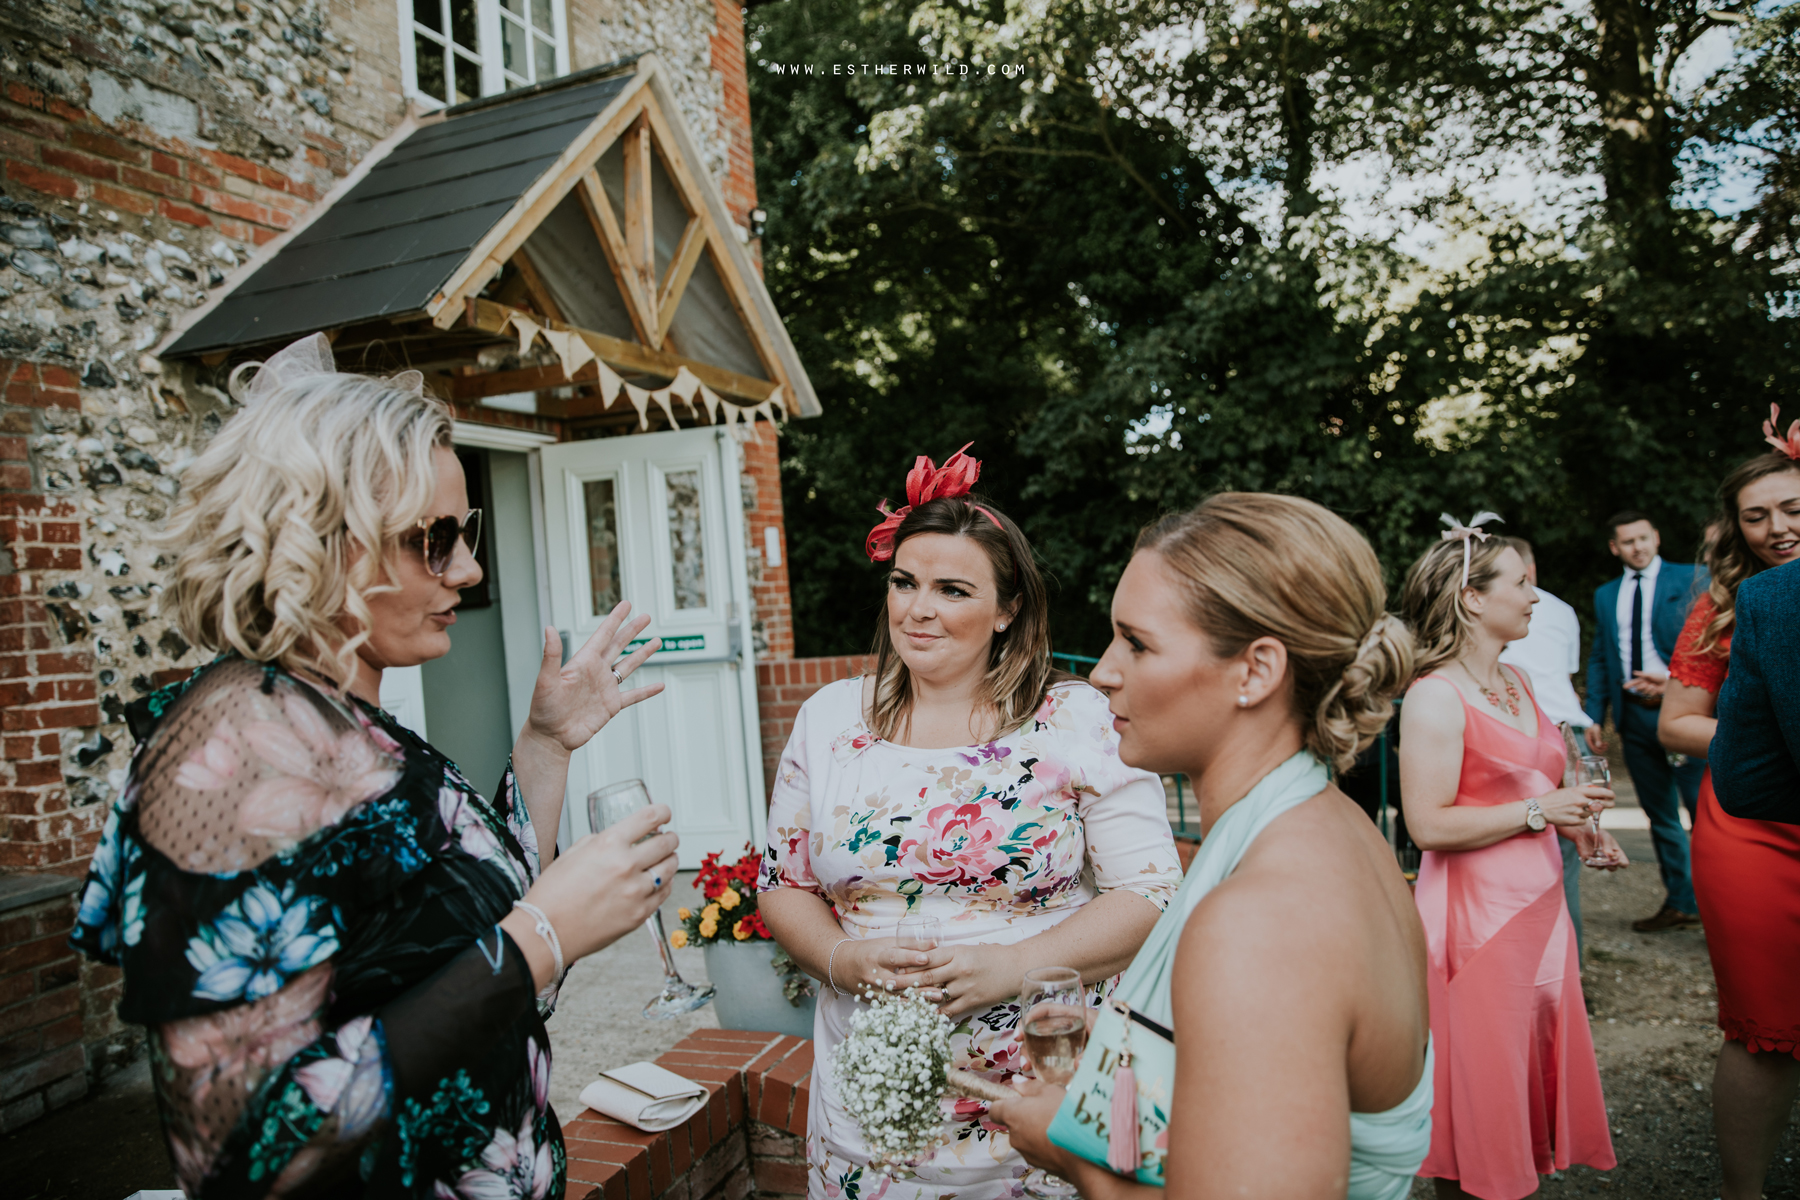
x=759 y=986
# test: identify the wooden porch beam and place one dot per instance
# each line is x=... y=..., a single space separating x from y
x=618 y=353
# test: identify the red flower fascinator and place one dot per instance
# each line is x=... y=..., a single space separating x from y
x=926 y=481
x=1790 y=445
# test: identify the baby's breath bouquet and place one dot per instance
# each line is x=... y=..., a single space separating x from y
x=891 y=1071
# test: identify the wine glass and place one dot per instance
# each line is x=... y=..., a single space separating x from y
x=919 y=933
x=1595 y=769
x=1053 y=1022
x=607 y=807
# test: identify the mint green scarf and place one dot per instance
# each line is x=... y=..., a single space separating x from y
x=1385 y=1148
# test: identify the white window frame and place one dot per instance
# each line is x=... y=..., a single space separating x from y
x=488 y=19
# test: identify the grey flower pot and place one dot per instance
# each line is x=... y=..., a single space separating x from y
x=749 y=991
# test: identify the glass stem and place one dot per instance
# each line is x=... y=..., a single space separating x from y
x=662 y=945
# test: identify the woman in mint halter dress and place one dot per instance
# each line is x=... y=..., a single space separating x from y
x=1250 y=652
x=1481 y=772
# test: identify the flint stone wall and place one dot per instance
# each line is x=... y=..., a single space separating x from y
x=146 y=150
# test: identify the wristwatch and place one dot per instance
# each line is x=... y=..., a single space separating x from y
x=1534 y=815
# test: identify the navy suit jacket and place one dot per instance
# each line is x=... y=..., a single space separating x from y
x=1756 y=748
x=1677 y=587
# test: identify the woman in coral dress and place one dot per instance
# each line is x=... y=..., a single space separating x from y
x=1481 y=768
x=959 y=781
x=1746 y=873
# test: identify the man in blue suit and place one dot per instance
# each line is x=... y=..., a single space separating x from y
x=1756 y=748
x=1638 y=618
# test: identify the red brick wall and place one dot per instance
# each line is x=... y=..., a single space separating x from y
x=774 y=614
x=739 y=184
x=42 y=1063
x=46 y=671
x=782 y=686
x=56 y=149
x=748 y=1141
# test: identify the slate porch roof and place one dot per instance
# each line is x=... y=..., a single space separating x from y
x=391 y=242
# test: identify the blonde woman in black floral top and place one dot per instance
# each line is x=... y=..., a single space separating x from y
x=314 y=910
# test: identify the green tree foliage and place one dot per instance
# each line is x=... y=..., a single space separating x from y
x=1116 y=271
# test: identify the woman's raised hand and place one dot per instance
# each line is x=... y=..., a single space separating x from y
x=1574 y=805
x=574 y=700
x=605 y=885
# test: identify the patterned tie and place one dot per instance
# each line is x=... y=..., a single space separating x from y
x=1637 y=622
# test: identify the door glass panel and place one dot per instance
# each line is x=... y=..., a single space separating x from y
x=599 y=499
x=687 y=555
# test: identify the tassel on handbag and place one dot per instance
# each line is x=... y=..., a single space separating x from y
x=1122 y=1130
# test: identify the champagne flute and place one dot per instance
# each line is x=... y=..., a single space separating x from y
x=1053 y=1022
x=1595 y=769
x=607 y=807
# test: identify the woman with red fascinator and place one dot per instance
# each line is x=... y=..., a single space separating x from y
x=961 y=780
x=1746 y=873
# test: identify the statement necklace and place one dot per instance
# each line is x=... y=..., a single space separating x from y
x=1512 y=693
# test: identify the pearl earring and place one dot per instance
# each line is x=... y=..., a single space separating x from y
x=1243 y=701
x=1003 y=627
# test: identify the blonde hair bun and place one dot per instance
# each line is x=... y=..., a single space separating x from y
x=1256 y=565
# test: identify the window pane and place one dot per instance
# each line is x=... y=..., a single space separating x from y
x=430 y=59
x=546 y=58
x=467 y=84
x=540 y=17
x=515 y=6
x=462 y=23
x=686 y=552
x=430 y=14
x=512 y=47
x=603 y=544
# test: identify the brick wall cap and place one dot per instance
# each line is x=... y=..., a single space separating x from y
x=20 y=888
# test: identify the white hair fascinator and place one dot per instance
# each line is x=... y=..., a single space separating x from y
x=1466 y=534
x=309 y=356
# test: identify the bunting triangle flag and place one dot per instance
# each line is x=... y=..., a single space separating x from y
x=610 y=383
x=640 y=400
x=778 y=397
x=527 y=330
x=580 y=354
x=684 y=385
x=661 y=396
x=711 y=400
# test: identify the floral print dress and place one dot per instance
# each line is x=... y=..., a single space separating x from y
x=303 y=896
x=999 y=842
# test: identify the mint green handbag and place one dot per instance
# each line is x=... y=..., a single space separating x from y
x=1116 y=1112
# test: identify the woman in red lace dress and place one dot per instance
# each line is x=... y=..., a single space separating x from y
x=1746 y=873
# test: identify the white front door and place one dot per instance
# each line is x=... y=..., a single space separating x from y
x=657 y=519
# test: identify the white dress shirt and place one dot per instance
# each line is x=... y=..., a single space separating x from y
x=1548 y=654
x=1653 y=662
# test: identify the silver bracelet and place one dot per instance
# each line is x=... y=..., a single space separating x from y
x=547 y=931
x=831 y=959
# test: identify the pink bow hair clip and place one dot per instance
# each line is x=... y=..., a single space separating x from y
x=309 y=356
x=1467 y=534
x=1789 y=445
